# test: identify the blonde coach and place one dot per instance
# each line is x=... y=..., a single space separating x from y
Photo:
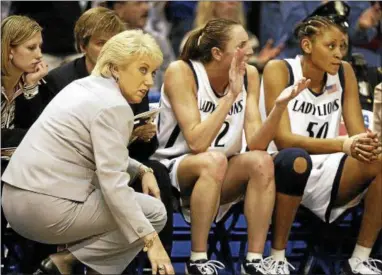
x=67 y=181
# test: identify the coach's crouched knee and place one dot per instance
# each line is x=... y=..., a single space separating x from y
x=158 y=217
x=292 y=170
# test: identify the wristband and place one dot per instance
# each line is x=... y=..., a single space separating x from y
x=346 y=147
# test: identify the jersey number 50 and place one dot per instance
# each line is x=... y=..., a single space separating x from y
x=316 y=131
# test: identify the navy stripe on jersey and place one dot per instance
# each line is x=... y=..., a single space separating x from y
x=195 y=76
x=246 y=81
x=174 y=135
x=336 y=186
x=323 y=88
x=291 y=75
x=341 y=75
x=158 y=124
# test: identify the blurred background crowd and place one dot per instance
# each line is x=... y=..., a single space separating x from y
x=270 y=24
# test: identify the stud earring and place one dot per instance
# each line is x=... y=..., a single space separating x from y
x=10 y=56
x=114 y=75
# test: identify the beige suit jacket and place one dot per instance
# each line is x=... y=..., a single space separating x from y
x=79 y=143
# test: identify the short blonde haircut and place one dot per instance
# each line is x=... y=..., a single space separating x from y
x=124 y=48
x=205 y=11
x=15 y=30
x=97 y=20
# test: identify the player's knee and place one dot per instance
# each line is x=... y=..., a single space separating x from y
x=377 y=167
x=292 y=170
x=215 y=165
x=262 y=170
x=300 y=165
x=377 y=175
x=262 y=165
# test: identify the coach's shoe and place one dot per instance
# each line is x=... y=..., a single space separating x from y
x=203 y=267
x=356 y=266
x=277 y=267
x=254 y=267
x=47 y=266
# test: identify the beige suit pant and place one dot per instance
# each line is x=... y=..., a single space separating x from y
x=88 y=227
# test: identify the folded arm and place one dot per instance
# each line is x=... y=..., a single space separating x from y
x=110 y=136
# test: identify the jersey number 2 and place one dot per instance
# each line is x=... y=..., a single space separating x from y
x=222 y=134
x=322 y=131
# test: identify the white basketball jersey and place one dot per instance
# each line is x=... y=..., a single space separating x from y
x=310 y=114
x=229 y=139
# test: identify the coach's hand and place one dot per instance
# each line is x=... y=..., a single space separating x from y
x=159 y=259
x=150 y=185
x=145 y=132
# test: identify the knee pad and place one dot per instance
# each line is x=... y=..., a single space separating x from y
x=288 y=181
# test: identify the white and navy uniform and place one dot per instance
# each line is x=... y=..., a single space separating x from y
x=317 y=116
x=172 y=145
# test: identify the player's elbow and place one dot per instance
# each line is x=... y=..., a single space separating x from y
x=283 y=142
x=197 y=147
x=258 y=147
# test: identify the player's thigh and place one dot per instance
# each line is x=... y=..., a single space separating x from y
x=240 y=168
x=192 y=167
x=355 y=178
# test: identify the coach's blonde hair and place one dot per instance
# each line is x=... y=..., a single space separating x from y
x=97 y=20
x=205 y=11
x=124 y=48
x=15 y=30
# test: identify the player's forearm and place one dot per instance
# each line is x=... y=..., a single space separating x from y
x=266 y=133
x=202 y=135
x=311 y=145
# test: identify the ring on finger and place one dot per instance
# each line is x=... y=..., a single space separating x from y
x=161 y=267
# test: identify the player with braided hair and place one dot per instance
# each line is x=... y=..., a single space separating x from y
x=344 y=170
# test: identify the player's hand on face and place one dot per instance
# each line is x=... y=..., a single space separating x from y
x=291 y=92
x=237 y=71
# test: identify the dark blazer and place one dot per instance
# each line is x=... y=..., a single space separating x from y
x=60 y=77
x=26 y=113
